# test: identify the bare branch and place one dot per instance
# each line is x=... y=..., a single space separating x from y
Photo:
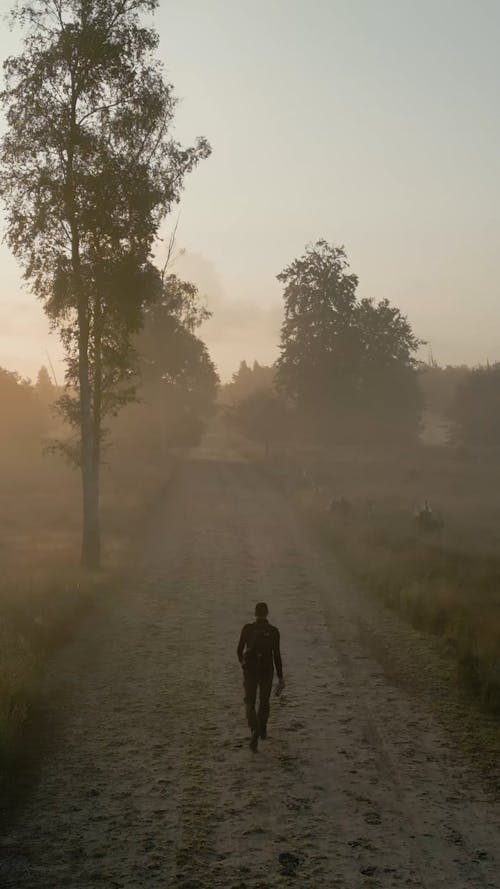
x=170 y=249
x=94 y=111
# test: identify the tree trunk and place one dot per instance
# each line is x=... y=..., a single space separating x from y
x=91 y=537
x=91 y=544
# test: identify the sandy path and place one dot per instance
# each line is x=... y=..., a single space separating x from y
x=149 y=782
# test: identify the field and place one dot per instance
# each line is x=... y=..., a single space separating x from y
x=445 y=580
x=43 y=592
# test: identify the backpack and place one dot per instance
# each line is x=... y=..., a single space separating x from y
x=259 y=652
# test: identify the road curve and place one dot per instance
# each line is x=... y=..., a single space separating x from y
x=148 y=780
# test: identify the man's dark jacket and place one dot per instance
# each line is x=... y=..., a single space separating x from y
x=269 y=653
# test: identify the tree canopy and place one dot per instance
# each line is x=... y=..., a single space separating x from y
x=261 y=416
x=347 y=364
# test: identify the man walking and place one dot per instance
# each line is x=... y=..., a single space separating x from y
x=258 y=654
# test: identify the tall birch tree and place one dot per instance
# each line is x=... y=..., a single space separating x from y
x=89 y=170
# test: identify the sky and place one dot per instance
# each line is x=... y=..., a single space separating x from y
x=372 y=124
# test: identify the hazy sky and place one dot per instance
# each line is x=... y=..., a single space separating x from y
x=372 y=124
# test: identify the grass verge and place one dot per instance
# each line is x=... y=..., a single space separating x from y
x=37 y=617
x=445 y=583
x=450 y=594
x=43 y=595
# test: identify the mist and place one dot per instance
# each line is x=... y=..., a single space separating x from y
x=250 y=445
x=239 y=329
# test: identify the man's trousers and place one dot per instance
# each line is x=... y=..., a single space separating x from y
x=263 y=682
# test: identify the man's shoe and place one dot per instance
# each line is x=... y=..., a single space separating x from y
x=263 y=733
x=254 y=743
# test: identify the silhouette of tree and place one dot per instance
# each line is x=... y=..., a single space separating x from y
x=474 y=412
x=347 y=364
x=23 y=414
x=181 y=300
x=248 y=380
x=44 y=387
x=89 y=170
x=262 y=417
x=177 y=372
x=440 y=384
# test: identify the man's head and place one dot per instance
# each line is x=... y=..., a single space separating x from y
x=261 y=610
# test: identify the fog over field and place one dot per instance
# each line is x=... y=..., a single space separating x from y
x=239 y=329
x=247 y=326
x=250 y=444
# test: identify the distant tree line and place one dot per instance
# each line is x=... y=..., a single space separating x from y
x=25 y=408
x=467 y=399
x=247 y=381
x=176 y=386
x=439 y=386
x=474 y=411
x=348 y=371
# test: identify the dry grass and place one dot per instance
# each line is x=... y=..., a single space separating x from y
x=447 y=582
x=43 y=592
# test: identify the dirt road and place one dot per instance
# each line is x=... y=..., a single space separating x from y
x=148 y=780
